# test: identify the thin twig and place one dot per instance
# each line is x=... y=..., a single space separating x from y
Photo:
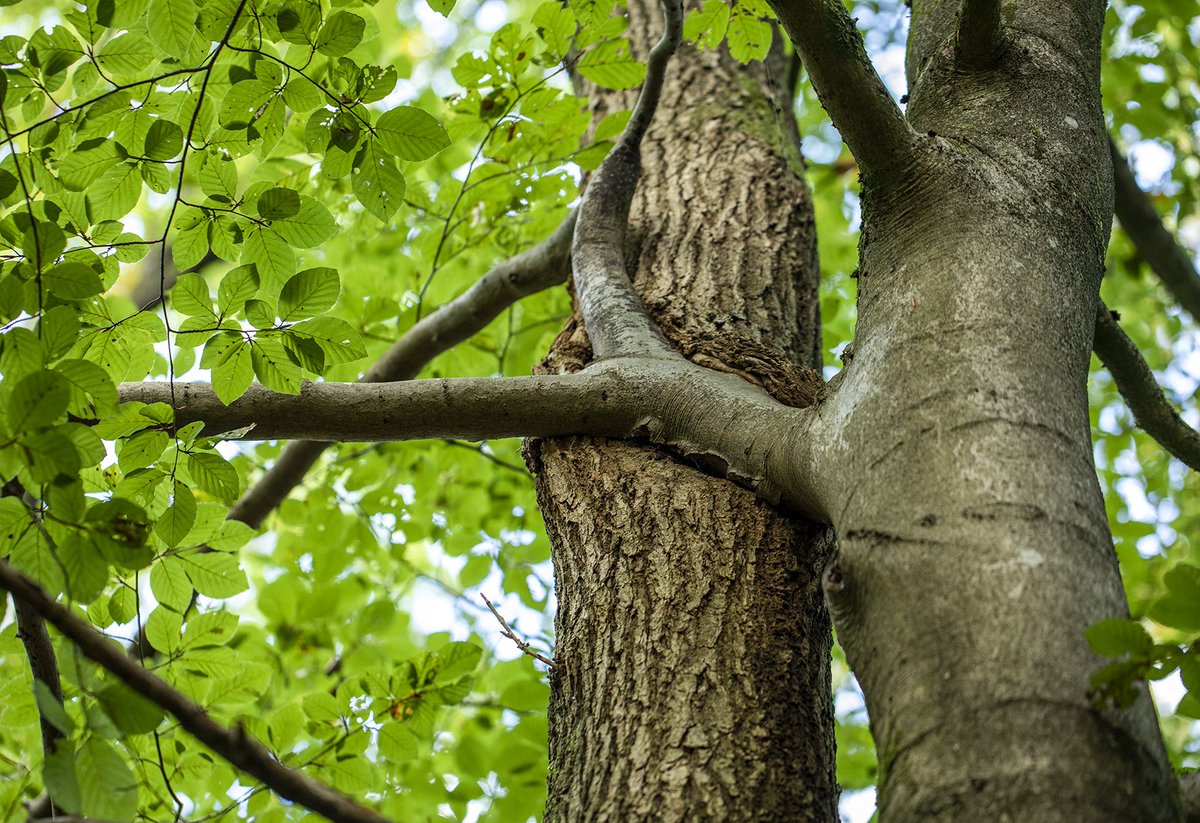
x=507 y=631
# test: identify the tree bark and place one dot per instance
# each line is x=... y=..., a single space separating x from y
x=692 y=676
x=974 y=549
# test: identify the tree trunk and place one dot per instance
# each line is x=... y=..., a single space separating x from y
x=692 y=677
x=974 y=550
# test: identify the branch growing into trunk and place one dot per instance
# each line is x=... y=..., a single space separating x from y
x=1170 y=261
x=979 y=37
x=531 y=271
x=234 y=745
x=616 y=320
x=727 y=425
x=847 y=84
x=1151 y=410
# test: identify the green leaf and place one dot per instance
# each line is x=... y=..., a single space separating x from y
x=340 y=342
x=180 y=516
x=233 y=371
x=271 y=254
x=610 y=65
x=72 y=281
x=122 y=605
x=92 y=392
x=164 y=140
x=340 y=34
x=749 y=38
x=172 y=24
x=218 y=177
x=442 y=7
x=278 y=204
x=85 y=568
x=54 y=51
x=58 y=771
x=309 y=293
x=116 y=192
x=216 y=574
x=706 y=25
x=170 y=584
x=163 y=628
x=189 y=296
x=128 y=710
x=261 y=314
x=273 y=367
x=51 y=708
x=37 y=400
x=1179 y=608
x=377 y=183
x=308 y=227
x=237 y=286
x=1117 y=636
x=142 y=449
x=214 y=474
x=555 y=24
x=410 y=133
x=127 y=54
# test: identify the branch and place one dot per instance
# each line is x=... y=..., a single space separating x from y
x=1137 y=385
x=507 y=631
x=234 y=745
x=1189 y=789
x=726 y=424
x=531 y=271
x=615 y=318
x=43 y=663
x=846 y=83
x=979 y=38
x=1170 y=261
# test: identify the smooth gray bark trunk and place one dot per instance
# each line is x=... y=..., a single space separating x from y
x=974 y=546
x=692 y=677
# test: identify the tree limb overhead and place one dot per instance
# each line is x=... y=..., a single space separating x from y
x=979 y=37
x=846 y=82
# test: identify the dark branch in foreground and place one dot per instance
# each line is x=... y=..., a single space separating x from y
x=1189 y=789
x=846 y=82
x=234 y=745
x=979 y=36
x=531 y=271
x=616 y=320
x=43 y=663
x=1151 y=410
x=1170 y=261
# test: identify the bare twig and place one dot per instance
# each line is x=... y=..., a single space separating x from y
x=847 y=84
x=1170 y=261
x=980 y=37
x=507 y=631
x=234 y=745
x=1134 y=379
x=616 y=319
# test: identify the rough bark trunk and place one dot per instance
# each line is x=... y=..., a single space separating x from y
x=692 y=676
x=963 y=599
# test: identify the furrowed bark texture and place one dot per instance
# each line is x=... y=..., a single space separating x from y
x=974 y=550
x=692 y=673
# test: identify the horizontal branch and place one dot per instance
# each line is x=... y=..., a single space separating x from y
x=727 y=425
x=615 y=318
x=535 y=269
x=978 y=39
x=234 y=745
x=846 y=82
x=1154 y=244
x=1134 y=379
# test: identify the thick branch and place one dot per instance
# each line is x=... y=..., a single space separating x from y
x=531 y=271
x=234 y=745
x=846 y=83
x=979 y=38
x=1137 y=385
x=1189 y=789
x=727 y=425
x=1170 y=261
x=616 y=319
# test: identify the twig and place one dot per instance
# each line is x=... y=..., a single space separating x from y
x=507 y=631
x=234 y=745
x=1141 y=391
